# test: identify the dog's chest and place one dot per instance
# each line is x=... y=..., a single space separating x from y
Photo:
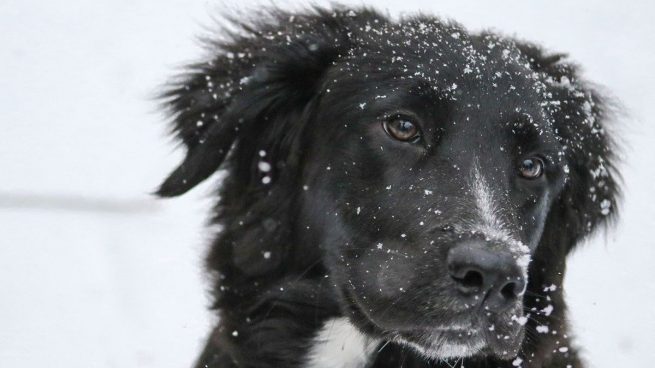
x=340 y=345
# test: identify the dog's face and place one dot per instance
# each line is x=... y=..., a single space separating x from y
x=431 y=169
x=431 y=187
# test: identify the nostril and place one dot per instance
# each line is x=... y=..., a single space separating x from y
x=509 y=290
x=513 y=289
x=471 y=281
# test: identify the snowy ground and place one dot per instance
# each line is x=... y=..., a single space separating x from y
x=95 y=273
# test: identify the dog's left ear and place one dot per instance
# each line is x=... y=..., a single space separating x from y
x=581 y=117
x=251 y=98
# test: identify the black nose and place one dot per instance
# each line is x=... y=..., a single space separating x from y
x=478 y=270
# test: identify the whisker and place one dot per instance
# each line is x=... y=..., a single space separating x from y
x=384 y=346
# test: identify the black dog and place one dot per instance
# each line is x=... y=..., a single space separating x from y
x=398 y=193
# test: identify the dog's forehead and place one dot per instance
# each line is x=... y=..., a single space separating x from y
x=452 y=61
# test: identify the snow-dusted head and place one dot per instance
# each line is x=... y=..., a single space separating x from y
x=431 y=179
x=435 y=166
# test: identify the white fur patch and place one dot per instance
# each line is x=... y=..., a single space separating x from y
x=491 y=225
x=340 y=345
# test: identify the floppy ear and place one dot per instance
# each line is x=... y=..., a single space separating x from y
x=581 y=118
x=249 y=94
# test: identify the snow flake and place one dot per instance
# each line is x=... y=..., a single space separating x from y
x=550 y=288
x=605 y=207
x=542 y=329
x=264 y=166
x=520 y=320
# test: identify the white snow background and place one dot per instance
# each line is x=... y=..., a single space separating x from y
x=94 y=272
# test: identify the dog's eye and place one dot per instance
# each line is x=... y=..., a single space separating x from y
x=531 y=168
x=402 y=129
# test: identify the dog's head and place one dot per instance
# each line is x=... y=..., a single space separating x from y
x=438 y=174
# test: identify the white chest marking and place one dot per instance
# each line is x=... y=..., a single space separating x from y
x=340 y=345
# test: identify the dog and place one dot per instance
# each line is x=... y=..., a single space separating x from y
x=397 y=193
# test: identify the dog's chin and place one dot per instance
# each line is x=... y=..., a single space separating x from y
x=444 y=343
x=456 y=343
x=499 y=337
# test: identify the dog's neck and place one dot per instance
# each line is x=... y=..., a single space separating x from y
x=340 y=345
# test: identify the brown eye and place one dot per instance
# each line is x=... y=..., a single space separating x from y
x=402 y=129
x=531 y=168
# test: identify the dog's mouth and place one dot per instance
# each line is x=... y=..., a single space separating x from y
x=485 y=335
x=462 y=342
x=443 y=343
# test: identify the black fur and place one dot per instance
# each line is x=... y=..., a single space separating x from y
x=306 y=93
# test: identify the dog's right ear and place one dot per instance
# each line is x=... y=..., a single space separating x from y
x=269 y=68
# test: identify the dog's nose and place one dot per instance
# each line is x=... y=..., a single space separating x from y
x=478 y=270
